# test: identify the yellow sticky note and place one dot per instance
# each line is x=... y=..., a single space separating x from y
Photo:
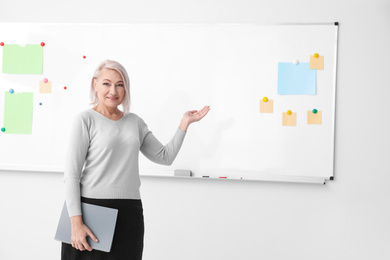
x=289 y=120
x=266 y=107
x=44 y=87
x=314 y=119
x=316 y=63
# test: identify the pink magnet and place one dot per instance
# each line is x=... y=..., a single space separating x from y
x=45 y=80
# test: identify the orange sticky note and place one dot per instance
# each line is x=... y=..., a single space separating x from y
x=314 y=119
x=316 y=63
x=266 y=107
x=44 y=87
x=289 y=120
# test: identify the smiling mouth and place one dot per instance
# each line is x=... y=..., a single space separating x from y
x=112 y=98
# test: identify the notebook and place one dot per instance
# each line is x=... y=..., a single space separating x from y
x=100 y=220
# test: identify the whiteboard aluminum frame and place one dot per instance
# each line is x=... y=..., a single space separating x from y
x=334 y=96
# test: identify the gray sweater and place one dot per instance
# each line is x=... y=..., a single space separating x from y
x=102 y=157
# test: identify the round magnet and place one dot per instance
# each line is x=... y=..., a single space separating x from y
x=2 y=129
x=84 y=57
x=45 y=80
x=42 y=44
x=40 y=103
x=265 y=99
x=11 y=91
x=315 y=111
x=65 y=87
x=1 y=43
x=296 y=62
x=316 y=55
x=289 y=112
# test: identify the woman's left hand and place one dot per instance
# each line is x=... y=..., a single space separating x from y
x=193 y=116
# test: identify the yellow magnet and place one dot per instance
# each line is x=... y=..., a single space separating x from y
x=265 y=99
x=316 y=55
x=289 y=112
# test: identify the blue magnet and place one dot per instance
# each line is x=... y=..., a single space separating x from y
x=11 y=91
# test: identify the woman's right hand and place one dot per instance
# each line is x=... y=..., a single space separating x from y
x=79 y=234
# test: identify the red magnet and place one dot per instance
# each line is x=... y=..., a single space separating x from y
x=42 y=44
x=64 y=87
x=1 y=43
x=84 y=57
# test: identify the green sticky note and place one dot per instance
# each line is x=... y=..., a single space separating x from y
x=22 y=59
x=18 y=113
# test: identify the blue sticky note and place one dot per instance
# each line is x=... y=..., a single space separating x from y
x=296 y=79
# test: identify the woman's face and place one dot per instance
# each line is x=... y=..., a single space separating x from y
x=110 y=88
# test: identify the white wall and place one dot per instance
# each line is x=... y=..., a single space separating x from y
x=198 y=219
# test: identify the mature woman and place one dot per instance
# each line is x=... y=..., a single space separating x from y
x=106 y=142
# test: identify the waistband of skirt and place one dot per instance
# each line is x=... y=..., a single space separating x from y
x=113 y=203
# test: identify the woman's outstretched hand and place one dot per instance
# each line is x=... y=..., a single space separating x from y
x=193 y=116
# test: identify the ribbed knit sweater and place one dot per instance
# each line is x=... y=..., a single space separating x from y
x=102 y=157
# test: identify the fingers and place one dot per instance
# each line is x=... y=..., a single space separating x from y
x=195 y=115
x=203 y=112
x=81 y=243
x=205 y=109
x=91 y=235
x=200 y=114
x=80 y=247
x=85 y=246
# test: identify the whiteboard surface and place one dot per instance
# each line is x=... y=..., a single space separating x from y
x=174 y=68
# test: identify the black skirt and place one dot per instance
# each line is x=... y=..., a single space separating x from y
x=128 y=239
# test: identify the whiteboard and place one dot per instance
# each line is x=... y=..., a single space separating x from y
x=174 y=68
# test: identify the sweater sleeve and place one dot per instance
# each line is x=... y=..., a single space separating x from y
x=74 y=162
x=154 y=150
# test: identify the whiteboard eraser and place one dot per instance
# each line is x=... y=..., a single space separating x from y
x=183 y=173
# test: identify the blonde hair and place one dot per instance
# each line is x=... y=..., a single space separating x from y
x=112 y=65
